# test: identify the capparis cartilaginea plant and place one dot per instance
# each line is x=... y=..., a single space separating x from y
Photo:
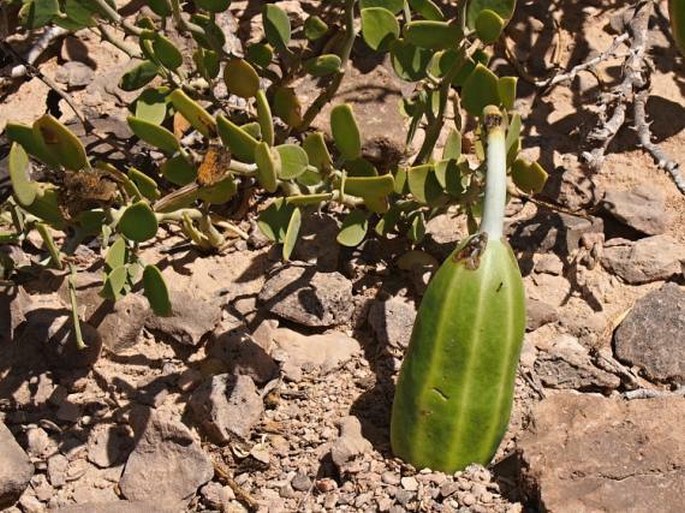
x=258 y=132
x=455 y=390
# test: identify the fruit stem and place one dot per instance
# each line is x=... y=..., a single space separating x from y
x=496 y=176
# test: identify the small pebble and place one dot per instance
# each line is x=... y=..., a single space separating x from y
x=390 y=478
x=410 y=483
x=301 y=482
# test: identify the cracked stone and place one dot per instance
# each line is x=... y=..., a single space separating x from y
x=651 y=259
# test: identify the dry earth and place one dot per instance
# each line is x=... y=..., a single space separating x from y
x=270 y=389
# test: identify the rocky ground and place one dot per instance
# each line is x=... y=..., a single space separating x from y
x=270 y=388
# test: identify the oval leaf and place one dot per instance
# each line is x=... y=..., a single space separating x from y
x=346 y=132
x=154 y=135
x=354 y=228
x=156 y=292
x=138 y=222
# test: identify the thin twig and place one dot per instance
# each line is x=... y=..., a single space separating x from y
x=635 y=70
x=38 y=48
x=242 y=495
x=663 y=160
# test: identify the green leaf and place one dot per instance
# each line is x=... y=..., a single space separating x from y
x=274 y=220
x=506 y=87
x=207 y=63
x=276 y=26
x=160 y=7
x=346 y=132
x=530 y=177
x=452 y=148
x=241 y=78
x=287 y=106
x=435 y=35
x=138 y=222
x=323 y=65
x=156 y=292
x=196 y=115
x=179 y=171
x=388 y=222
x=315 y=28
x=427 y=9
x=417 y=227
x=146 y=185
x=369 y=186
x=504 y=8
x=139 y=76
x=152 y=105
x=34 y=145
x=294 y=161
x=259 y=54
x=291 y=233
x=360 y=167
x=264 y=117
x=489 y=26
x=78 y=14
x=379 y=27
x=166 y=52
x=241 y=144
x=394 y=6
x=213 y=37
x=354 y=228
x=424 y=185
x=409 y=61
x=480 y=89
x=268 y=166
x=154 y=135
x=41 y=12
x=219 y=193
x=24 y=190
x=449 y=174
x=60 y=142
x=114 y=283
x=213 y=5
x=317 y=151
x=116 y=255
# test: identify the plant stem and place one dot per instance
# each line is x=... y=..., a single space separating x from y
x=74 y=308
x=496 y=176
x=333 y=86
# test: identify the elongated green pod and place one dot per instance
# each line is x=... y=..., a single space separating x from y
x=455 y=390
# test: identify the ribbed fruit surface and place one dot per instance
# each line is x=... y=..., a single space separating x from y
x=455 y=390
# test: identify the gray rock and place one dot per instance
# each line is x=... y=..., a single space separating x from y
x=158 y=506
x=322 y=353
x=243 y=356
x=301 y=482
x=167 y=462
x=575 y=229
x=216 y=496
x=539 y=313
x=650 y=259
x=53 y=331
x=227 y=406
x=567 y=364
x=193 y=317
x=109 y=445
x=392 y=321
x=74 y=74
x=316 y=243
x=349 y=444
x=120 y=328
x=588 y=454
x=307 y=297
x=57 y=470
x=652 y=336
x=15 y=469
x=643 y=208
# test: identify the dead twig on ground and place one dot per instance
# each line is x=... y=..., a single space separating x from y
x=241 y=494
x=631 y=93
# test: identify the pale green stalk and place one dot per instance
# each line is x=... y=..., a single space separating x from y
x=496 y=176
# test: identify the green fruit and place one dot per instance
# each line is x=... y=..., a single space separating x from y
x=455 y=390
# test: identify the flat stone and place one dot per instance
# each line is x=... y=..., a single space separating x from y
x=307 y=297
x=74 y=74
x=193 y=317
x=567 y=364
x=392 y=321
x=121 y=326
x=539 y=313
x=167 y=462
x=243 y=356
x=109 y=445
x=589 y=454
x=227 y=406
x=651 y=259
x=652 y=336
x=15 y=469
x=158 y=506
x=642 y=208
x=316 y=242
x=322 y=353
x=350 y=444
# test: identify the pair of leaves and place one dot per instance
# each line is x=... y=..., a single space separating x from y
x=280 y=223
